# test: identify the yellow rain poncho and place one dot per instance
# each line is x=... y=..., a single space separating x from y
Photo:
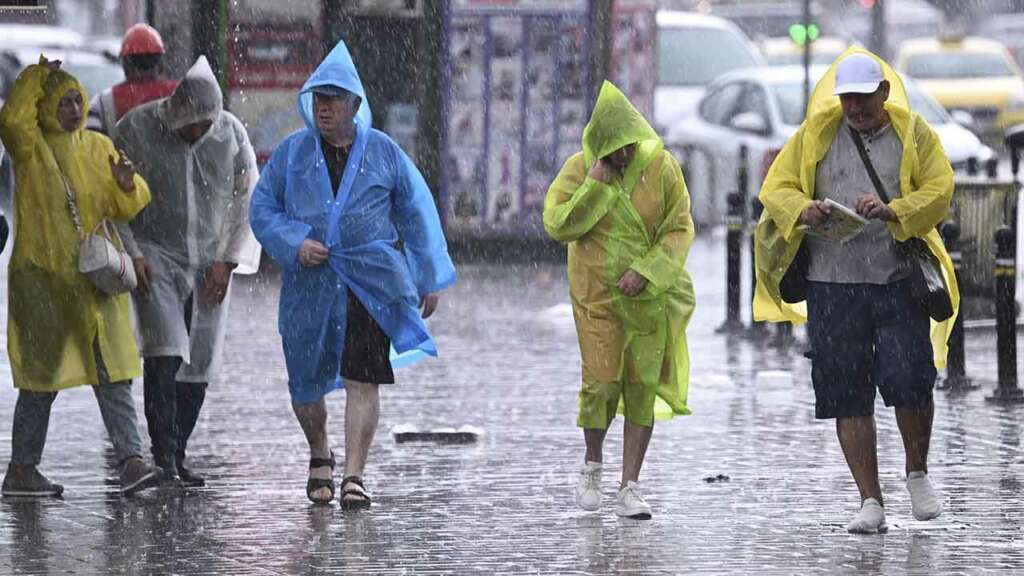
x=642 y=221
x=55 y=315
x=926 y=189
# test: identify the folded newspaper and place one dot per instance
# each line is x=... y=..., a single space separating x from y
x=841 y=225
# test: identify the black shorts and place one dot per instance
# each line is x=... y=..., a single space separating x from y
x=865 y=337
x=367 y=353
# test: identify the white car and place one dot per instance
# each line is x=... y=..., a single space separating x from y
x=694 y=49
x=760 y=109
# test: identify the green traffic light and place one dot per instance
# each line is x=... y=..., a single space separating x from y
x=800 y=34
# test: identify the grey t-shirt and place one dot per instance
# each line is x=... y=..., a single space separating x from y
x=870 y=257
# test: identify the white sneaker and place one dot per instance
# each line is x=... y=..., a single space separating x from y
x=870 y=519
x=588 y=488
x=630 y=503
x=923 y=500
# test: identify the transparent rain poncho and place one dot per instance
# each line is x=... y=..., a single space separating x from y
x=198 y=216
x=382 y=199
x=926 y=189
x=55 y=313
x=642 y=221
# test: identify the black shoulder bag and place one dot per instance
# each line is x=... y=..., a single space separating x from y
x=927 y=284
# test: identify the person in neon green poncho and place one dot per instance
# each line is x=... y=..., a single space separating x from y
x=622 y=207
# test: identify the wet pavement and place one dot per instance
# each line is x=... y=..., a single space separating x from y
x=509 y=365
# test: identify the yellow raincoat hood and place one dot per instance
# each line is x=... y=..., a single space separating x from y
x=926 y=189
x=57 y=85
x=615 y=123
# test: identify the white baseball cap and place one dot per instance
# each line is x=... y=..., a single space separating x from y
x=858 y=74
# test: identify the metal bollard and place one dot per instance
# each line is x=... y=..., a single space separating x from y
x=992 y=167
x=1007 y=391
x=956 y=373
x=734 y=239
x=758 y=330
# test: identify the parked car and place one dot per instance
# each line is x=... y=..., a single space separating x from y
x=693 y=49
x=976 y=78
x=760 y=109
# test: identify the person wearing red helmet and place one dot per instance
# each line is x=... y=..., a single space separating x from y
x=142 y=51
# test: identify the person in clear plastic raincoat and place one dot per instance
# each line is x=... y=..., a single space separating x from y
x=186 y=245
x=622 y=206
x=355 y=230
x=865 y=329
x=62 y=331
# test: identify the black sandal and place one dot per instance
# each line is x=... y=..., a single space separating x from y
x=353 y=486
x=314 y=484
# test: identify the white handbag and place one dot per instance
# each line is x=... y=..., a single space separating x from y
x=104 y=263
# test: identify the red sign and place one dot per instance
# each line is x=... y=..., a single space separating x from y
x=272 y=56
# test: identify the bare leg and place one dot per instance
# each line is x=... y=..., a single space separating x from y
x=362 y=411
x=312 y=418
x=857 y=436
x=916 y=428
x=594 y=438
x=635 y=440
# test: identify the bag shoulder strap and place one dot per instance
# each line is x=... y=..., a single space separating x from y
x=72 y=205
x=868 y=165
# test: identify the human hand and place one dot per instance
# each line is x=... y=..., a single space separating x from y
x=123 y=171
x=216 y=280
x=144 y=275
x=632 y=283
x=429 y=304
x=872 y=208
x=53 y=65
x=312 y=253
x=601 y=171
x=815 y=214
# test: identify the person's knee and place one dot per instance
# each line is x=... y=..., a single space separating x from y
x=362 y=391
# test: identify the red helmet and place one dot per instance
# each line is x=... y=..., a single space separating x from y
x=141 y=39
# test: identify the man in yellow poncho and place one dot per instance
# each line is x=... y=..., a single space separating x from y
x=866 y=330
x=62 y=331
x=622 y=206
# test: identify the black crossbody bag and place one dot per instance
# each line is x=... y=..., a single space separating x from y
x=927 y=284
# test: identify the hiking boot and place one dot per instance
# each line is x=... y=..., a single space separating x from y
x=588 y=487
x=630 y=503
x=136 y=475
x=28 y=482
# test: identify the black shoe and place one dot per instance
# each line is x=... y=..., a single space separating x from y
x=190 y=478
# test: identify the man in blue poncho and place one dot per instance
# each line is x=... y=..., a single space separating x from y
x=353 y=225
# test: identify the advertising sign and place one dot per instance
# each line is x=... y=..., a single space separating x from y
x=272 y=55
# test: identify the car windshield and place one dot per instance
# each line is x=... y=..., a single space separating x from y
x=790 y=97
x=685 y=60
x=957 y=65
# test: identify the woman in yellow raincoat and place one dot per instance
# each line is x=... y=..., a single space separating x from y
x=866 y=331
x=623 y=208
x=61 y=331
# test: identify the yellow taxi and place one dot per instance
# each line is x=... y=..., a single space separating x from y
x=976 y=75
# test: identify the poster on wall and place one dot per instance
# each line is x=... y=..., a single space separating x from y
x=519 y=5
x=517 y=90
